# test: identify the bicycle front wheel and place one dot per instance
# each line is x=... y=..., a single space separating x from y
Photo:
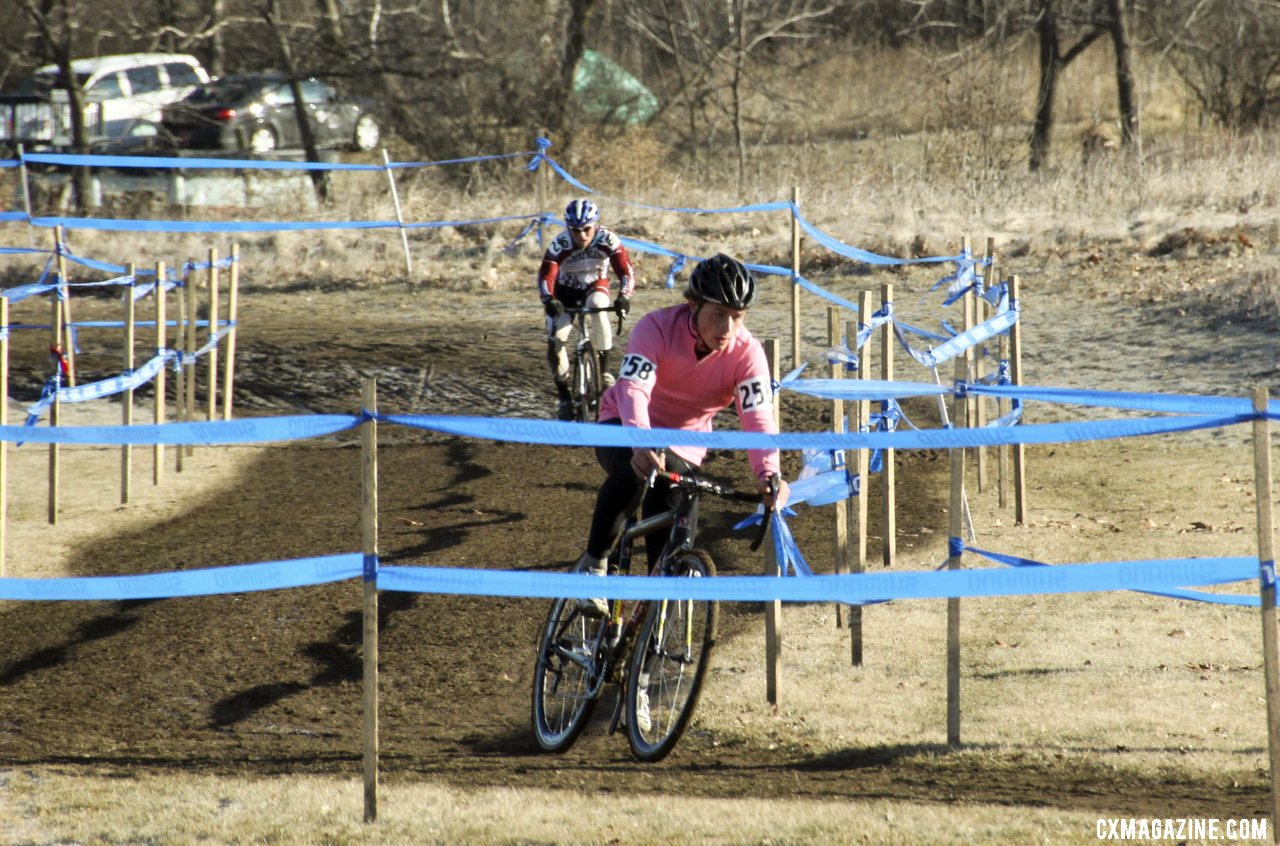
x=669 y=664
x=566 y=682
x=586 y=384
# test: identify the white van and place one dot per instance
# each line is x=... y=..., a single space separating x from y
x=123 y=98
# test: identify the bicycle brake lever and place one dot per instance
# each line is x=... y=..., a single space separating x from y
x=768 y=513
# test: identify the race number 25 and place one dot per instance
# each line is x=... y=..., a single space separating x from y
x=637 y=368
x=755 y=394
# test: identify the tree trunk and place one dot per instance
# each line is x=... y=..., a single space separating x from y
x=1118 y=24
x=574 y=48
x=216 y=54
x=319 y=178
x=1050 y=59
x=739 y=62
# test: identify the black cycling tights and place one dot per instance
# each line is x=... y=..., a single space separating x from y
x=618 y=497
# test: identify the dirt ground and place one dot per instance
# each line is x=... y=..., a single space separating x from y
x=268 y=683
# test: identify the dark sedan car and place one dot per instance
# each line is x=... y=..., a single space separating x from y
x=256 y=112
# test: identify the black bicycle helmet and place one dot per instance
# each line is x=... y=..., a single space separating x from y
x=723 y=279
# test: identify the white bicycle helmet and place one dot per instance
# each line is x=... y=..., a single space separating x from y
x=580 y=214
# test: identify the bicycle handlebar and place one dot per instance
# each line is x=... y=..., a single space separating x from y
x=691 y=483
x=598 y=310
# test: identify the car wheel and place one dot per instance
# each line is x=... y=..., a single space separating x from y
x=367 y=134
x=262 y=140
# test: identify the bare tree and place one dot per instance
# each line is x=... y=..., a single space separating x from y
x=715 y=48
x=1052 y=60
x=1226 y=54
x=57 y=22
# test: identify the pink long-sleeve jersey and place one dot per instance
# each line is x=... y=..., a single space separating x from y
x=663 y=384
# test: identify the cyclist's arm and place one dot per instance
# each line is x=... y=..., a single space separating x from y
x=637 y=375
x=621 y=263
x=547 y=274
x=754 y=401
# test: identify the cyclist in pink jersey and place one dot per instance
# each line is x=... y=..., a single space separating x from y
x=682 y=365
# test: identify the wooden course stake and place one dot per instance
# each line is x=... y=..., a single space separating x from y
x=161 y=386
x=1267 y=587
x=840 y=543
x=772 y=607
x=369 y=523
x=889 y=547
x=955 y=534
x=1015 y=377
x=211 y=364
x=859 y=503
x=126 y=407
x=228 y=371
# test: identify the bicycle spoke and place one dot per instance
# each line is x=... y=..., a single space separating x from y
x=668 y=667
x=566 y=682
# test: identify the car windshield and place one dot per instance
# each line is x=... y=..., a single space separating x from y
x=228 y=90
x=41 y=84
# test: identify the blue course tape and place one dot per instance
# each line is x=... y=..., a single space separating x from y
x=243 y=431
x=238 y=578
x=1174 y=593
x=522 y=430
x=855 y=588
x=862 y=389
x=1173 y=403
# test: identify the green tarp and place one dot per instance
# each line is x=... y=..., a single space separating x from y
x=604 y=90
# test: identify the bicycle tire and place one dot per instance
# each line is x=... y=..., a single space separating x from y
x=566 y=682
x=669 y=663
x=586 y=381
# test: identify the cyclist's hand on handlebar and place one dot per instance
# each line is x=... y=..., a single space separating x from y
x=554 y=307
x=645 y=461
x=622 y=304
x=775 y=491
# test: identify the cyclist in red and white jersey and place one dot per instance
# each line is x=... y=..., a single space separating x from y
x=683 y=364
x=575 y=273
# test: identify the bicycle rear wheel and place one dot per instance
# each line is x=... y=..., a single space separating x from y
x=669 y=664
x=586 y=385
x=566 y=681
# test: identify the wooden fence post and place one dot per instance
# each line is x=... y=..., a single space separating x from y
x=840 y=542
x=795 y=272
x=1265 y=498
x=863 y=470
x=369 y=504
x=229 y=369
x=190 y=345
x=211 y=365
x=889 y=544
x=180 y=374
x=980 y=359
x=126 y=407
x=1015 y=377
x=955 y=538
x=55 y=410
x=161 y=386
x=64 y=293
x=772 y=607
